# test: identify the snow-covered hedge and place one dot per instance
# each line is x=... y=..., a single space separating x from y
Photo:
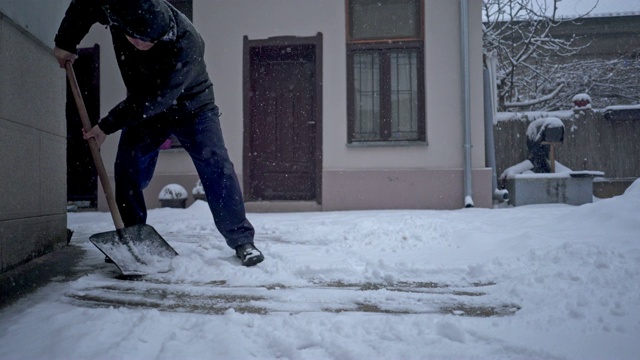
x=172 y=191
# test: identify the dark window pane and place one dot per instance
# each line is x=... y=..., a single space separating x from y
x=384 y=19
x=404 y=95
x=386 y=95
x=366 y=71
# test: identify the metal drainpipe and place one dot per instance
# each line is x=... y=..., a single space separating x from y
x=499 y=195
x=464 y=35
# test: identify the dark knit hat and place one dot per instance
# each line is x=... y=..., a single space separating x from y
x=146 y=20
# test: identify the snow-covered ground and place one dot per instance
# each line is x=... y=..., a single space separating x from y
x=543 y=282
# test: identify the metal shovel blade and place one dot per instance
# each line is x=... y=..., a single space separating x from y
x=136 y=250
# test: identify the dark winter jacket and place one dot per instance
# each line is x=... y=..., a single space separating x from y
x=170 y=77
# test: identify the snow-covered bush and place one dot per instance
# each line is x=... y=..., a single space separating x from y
x=198 y=190
x=172 y=191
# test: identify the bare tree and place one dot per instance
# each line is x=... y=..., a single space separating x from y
x=609 y=81
x=521 y=33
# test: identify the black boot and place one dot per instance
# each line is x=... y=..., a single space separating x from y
x=249 y=255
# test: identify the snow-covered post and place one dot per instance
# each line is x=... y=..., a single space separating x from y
x=581 y=103
x=543 y=132
x=173 y=196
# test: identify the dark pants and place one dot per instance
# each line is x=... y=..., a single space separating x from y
x=201 y=136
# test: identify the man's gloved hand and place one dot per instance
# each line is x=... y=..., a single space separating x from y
x=95 y=133
x=63 y=56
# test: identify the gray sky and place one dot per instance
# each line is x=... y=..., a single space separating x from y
x=608 y=7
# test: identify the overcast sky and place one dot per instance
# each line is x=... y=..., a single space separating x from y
x=573 y=7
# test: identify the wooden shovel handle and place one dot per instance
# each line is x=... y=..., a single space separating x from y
x=95 y=150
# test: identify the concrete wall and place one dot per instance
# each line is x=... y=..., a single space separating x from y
x=224 y=23
x=32 y=146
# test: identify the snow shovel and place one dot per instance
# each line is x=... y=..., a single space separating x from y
x=136 y=250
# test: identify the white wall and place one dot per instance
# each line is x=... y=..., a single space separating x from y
x=40 y=18
x=444 y=84
x=224 y=23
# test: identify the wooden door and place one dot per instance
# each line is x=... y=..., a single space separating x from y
x=82 y=183
x=283 y=125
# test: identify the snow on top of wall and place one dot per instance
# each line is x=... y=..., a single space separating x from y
x=561 y=114
x=532 y=115
x=622 y=107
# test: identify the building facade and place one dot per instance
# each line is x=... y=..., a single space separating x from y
x=334 y=105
